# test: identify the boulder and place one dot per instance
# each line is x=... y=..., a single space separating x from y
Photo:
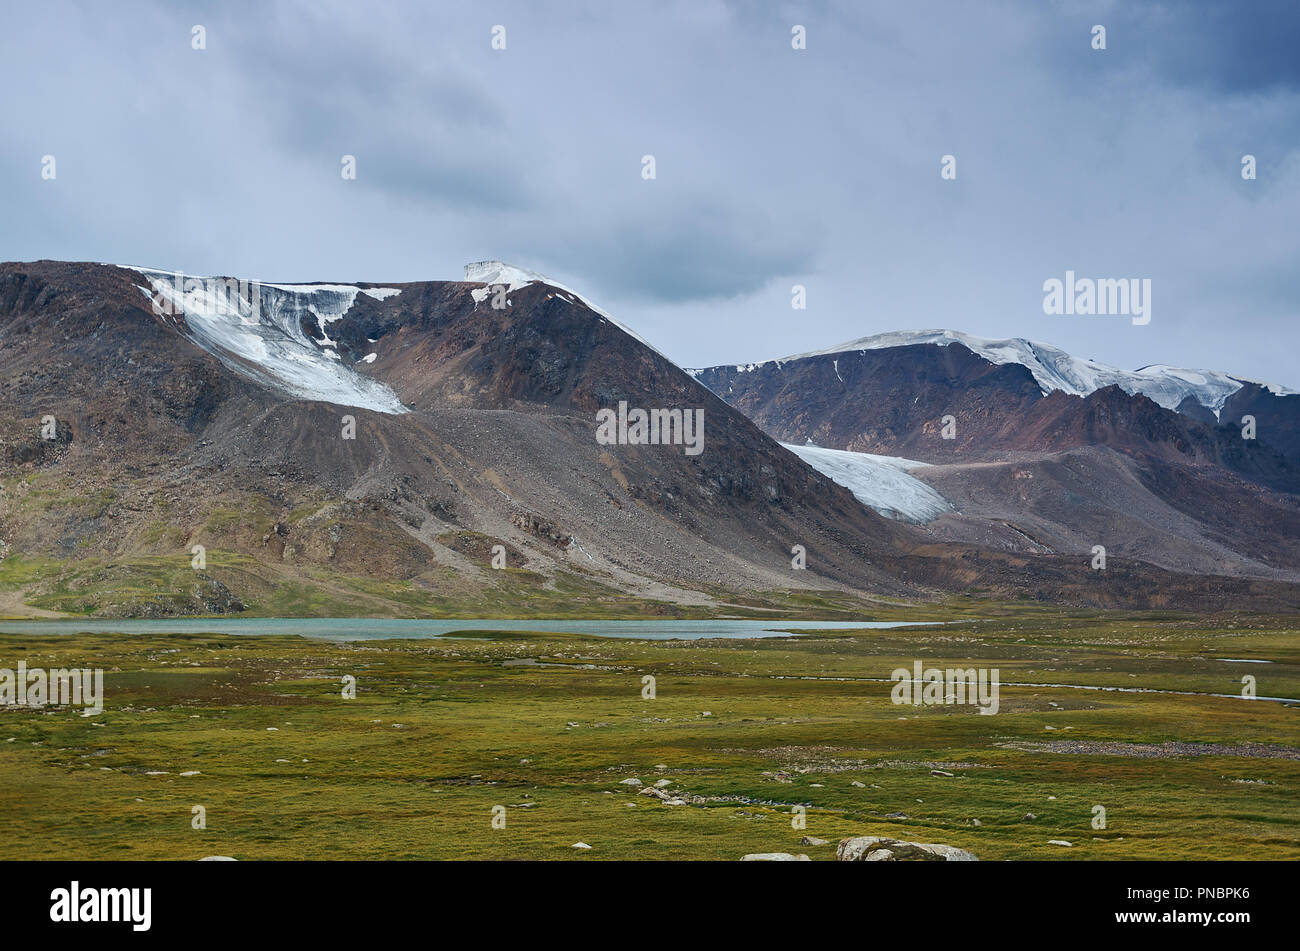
x=872 y=848
x=774 y=857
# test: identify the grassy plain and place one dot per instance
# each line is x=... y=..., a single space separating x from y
x=441 y=731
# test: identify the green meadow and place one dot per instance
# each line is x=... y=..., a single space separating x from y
x=548 y=727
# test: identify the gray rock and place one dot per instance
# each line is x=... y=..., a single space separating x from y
x=864 y=848
x=774 y=857
x=812 y=840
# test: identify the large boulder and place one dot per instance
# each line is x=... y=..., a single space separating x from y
x=872 y=848
x=774 y=857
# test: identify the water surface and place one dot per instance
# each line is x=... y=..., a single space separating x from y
x=366 y=629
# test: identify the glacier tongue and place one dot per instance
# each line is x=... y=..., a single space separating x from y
x=259 y=334
x=879 y=482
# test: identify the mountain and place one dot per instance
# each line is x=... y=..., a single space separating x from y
x=1054 y=369
x=213 y=413
x=175 y=445
x=890 y=392
x=1033 y=450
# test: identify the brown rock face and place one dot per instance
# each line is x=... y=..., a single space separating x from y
x=890 y=401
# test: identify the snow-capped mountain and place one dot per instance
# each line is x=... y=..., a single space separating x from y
x=1034 y=451
x=890 y=394
x=196 y=402
x=1054 y=369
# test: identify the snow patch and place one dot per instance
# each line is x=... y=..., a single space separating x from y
x=882 y=483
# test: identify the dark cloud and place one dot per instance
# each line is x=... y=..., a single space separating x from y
x=1241 y=48
x=694 y=248
x=775 y=166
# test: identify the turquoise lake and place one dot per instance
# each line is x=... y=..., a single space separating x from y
x=365 y=629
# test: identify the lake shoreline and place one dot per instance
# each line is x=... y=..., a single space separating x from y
x=364 y=629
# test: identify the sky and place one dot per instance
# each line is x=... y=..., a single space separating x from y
x=774 y=166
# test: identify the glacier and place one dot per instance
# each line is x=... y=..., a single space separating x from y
x=262 y=338
x=265 y=342
x=882 y=483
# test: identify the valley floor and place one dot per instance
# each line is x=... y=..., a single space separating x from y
x=551 y=727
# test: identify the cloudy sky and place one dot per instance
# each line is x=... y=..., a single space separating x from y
x=774 y=166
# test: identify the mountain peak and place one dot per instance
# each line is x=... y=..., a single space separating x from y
x=499 y=272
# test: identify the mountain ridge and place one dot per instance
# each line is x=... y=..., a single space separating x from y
x=1055 y=369
x=1028 y=471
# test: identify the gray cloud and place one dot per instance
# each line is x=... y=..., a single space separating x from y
x=774 y=166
